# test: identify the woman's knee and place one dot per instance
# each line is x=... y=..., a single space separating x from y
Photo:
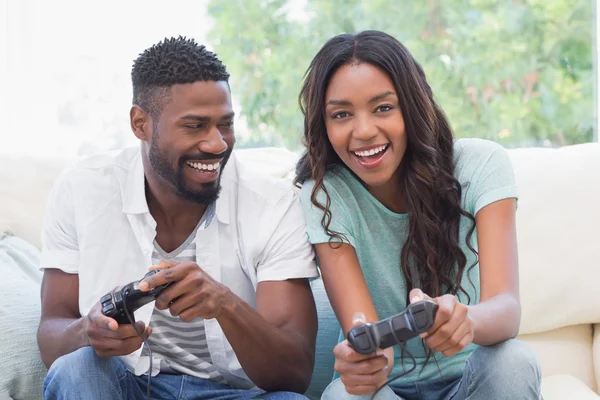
x=337 y=391
x=515 y=355
x=510 y=365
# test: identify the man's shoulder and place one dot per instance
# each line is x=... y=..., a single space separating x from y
x=248 y=180
x=100 y=165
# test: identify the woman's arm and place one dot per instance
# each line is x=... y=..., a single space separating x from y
x=348 y=293
x=345 y=283
x=497 y=316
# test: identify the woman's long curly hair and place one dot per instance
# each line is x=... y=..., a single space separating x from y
x=432 y=250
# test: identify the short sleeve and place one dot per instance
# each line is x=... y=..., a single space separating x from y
x=339 y=223
x=287 y=253
x=60 y=248
x=492 y=177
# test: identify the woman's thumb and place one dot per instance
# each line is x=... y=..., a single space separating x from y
x=358 y=318
x=417 y=295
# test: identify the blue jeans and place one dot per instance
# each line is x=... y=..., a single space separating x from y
x=84 y=375
x=507 y=370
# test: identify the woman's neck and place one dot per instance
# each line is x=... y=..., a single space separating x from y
x=391 y=194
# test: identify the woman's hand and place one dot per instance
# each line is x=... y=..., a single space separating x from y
x=452 y=329
x=362 y=373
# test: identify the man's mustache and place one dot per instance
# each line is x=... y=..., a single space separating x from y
x=205 y=156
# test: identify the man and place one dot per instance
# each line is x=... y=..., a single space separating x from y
x=239 y=319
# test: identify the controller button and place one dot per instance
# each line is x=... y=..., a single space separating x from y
x=108 y=308
x=105 y=298
x=361 y=342
x=421 y=320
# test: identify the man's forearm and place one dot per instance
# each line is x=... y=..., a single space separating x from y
x=496 y=319
x=273 y=358
x=60 y=336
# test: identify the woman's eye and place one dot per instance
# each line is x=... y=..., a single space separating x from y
x=383 y=108
x=339 y=115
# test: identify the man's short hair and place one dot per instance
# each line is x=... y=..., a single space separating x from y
x=170 y=62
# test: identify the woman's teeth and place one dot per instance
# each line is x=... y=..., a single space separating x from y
x=371 y=152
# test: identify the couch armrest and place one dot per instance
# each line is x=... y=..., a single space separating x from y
x=566 y=387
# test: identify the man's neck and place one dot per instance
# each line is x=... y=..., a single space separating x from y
x=173 y=210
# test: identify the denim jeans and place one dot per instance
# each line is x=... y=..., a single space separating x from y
x=505 y=371
x=84 y=375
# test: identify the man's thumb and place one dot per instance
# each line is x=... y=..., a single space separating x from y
x=358 y=318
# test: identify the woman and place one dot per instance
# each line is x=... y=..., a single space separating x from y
x=399 y=212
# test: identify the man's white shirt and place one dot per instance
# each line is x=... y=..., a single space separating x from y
x=98 y=225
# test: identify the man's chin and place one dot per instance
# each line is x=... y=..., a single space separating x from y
x=208 y=194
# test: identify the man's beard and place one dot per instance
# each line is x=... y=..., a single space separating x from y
x=209 y=192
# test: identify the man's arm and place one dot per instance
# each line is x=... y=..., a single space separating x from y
x=61 y=330
x=275 y=343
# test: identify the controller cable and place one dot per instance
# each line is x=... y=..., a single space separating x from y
x=398 y=376
x=132 y=322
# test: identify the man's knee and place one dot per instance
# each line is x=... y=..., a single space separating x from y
x=511 y=365
x=79 y=366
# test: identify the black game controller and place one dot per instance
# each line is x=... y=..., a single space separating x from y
x=417 y=318
x=130 y=295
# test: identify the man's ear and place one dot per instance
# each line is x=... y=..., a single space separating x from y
x=140 y=122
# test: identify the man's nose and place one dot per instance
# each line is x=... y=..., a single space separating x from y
x=213 y=143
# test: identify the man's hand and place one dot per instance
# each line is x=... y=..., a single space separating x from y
x=110 y=339
x=452 y=329
x=193 y=293
x=362 y=374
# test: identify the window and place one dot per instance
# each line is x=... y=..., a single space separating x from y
x=519 y=72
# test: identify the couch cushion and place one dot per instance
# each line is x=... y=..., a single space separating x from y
x=565 y=351
x=24 y=190
x=558 y=226
x=566 y=387
x=20 y=363
x=327 y=338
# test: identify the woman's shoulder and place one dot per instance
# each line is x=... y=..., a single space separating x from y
x=475 y=147
x=337 y=181
x=471 y=155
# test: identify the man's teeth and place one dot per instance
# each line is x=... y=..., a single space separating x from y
x=371 y=152
x=202 y=166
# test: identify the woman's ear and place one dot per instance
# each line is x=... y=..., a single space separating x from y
x=140 y=122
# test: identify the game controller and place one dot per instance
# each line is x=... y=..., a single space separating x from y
x=130 y=295
x=417 y=318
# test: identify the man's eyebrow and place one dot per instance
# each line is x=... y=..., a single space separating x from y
x=373 y=99
x=228 y=116
x=196 y=118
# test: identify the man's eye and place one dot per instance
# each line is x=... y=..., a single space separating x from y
x=195 y=126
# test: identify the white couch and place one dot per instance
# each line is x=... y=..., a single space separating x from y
x=559 y=250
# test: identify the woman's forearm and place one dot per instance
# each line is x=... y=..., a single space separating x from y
x=495 y=319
